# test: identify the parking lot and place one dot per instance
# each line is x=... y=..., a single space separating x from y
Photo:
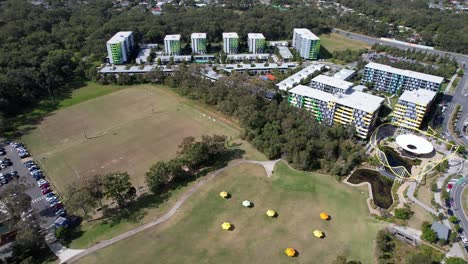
x=42 y=211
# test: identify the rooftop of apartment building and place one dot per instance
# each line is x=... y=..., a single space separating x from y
x=355 y=99
x=198 y=35
x=420 y=96
x=255 y=36
x=344 y=74
x=172 y=37
x=230 y=35
x=407 y=73
x=334 y=82
x=306 y=33
x=297 y=77
x=119 y=37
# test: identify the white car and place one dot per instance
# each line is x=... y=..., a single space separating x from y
x=464 y=239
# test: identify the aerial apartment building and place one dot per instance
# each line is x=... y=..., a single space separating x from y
x=230 y=43
x=392 y=80
x=411 y=107
x=256 y=43
x=330 y=84
x=198 y=43
x=120 y=46
x=352 y=108
x=172 y=45
x=298 y=77
x=306 y=43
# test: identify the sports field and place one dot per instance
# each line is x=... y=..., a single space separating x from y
x=194 y=234
x=124 y=130
x=333 y=42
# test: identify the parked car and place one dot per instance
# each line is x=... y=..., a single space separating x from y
x=61 y=212
x=43 y=185
x=46 y=190
x=50 y=196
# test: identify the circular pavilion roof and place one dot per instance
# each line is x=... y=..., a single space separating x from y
x=414 y=144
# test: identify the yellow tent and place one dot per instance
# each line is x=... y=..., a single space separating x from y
x=324 y=216
x=271 y=213
x=290 y=252
x=226 y=226
x=223 y=194
x=318 y=233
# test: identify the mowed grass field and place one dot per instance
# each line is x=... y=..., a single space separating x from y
x=194 y=234
x=124 y=130
x=333 y=42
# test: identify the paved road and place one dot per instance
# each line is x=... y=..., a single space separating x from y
x=268 y=165
x=456 y=195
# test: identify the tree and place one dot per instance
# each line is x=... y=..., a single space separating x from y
x=427 y=233
x=453 y=260
x=116 y=187
x=80 y=201
x=403 y=213
x=164 y=173
x=453 y=219
x=95 y=187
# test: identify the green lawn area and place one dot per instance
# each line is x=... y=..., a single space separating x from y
x=194 y=234
x=333 y=42
x=90 y=91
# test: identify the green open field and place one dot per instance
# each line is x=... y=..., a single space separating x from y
x=194 y=234
x=106 y=129
x=333 y=42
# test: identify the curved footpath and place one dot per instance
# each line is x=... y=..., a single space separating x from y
x=73 y=255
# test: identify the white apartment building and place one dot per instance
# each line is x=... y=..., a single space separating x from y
x=230 y=42
x=256 y=43
x=306 y=43
x=172 y=45
x=119 y=47
x=198 y=43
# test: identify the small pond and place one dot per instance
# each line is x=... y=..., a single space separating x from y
x=381 y=186
x=395 y=159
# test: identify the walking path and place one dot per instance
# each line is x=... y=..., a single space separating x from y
x=411 y=190
x=268 y=165
x=401 y=195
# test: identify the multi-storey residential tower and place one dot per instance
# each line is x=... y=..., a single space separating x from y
x=330 y=85
x=353 y=108
x=411 y=107
x=306 y=43
x=393 y=80
x=120 y=46
x=172 y=45
x=256 y=43
x=230 y=43
x=199 y=43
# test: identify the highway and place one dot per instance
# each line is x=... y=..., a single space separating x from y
x=456 y=195
x=457 y=98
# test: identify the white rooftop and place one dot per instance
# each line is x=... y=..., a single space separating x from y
x=119 y=37
x=421 y=96
x=305 y=33
x=172 y=37
x=358 y=100
x=284 y=52
x=343 y=74
x=412 y=74
x=414 y=144
x=296 y=78
x=255 y=36
x=230 y=35
x=334 y=82
x=198 y=35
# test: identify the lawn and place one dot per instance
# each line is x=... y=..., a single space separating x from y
x=194 y=234
x=125 y=130
x=333 y=42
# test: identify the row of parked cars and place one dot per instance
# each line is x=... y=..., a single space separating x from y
x=21 y=149
x=38 y=175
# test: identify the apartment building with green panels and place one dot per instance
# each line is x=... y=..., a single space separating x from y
x=256 y=43
x=198 y=43
x=172 y=45
x=230 y=42
x=306 y=43
x=120 y=47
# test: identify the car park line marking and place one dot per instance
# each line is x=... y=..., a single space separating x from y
x=37 y=199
